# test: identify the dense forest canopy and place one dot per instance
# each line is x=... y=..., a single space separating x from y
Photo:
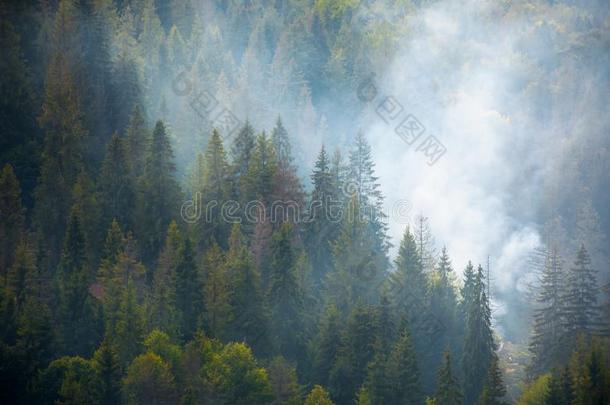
x=304 y=202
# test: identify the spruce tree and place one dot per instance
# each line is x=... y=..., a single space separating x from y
x=285 y=296
x=130 y=325
x=216 y=292
x=403 y=373
x=479 y=345
x=321 y=228
x=494 y=389
x=326 y=345
x=448 y=388
x=116 y=185
x=137 y=139
x=581 y=313
x=547 y=328
x=189 y=300
x=12 y=218
x=241 y=153
x=162 y=312
x=79 y=328
x=213 y=227
x=108 y=368
x=249 y=321
x=160 y=193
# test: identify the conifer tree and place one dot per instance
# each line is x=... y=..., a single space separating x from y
x=12 y=220
x=581 y=313
x=318 y=396
x=189 y=300
x=130 y=325
x=281 y=144
x=108 y=368
x=547 y=329
x=258 y=183
x=322 y=228
x=425 y=243
x=216 y=293
x=285 y=296
x=494 y=389
x=363 y=184
x=249 y=321
x=241 y=153
x=448 y=388
x=403 y=373
x=137 y=142
x=116 y=185
x=160 y=193
x=479 y=345
x=326 y=345
x=163 y=314
x=77 y=309
x=213 y=227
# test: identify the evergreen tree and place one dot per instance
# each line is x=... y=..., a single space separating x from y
x=160 y=193
x=249 y=322
x=363 y=184
x=448 y=388
x=580 y=299
x=425 y=243
x=216 y=293
x=116 y=185
x=137 y=142
x=241 y=153
x=285 y=296
x=12 y=219
x=479 y=345
x=322 y=227
x=107 y=366
x=547 y=329
x=281 y=144
x=214 y=227
x=494 y=389
x=130 y=325
x=326 y=345
x=318 y=396
x=189 y=300
x=77 y=309
x=258 y=182
x=403 y=373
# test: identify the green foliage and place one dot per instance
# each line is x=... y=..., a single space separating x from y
x=149 y=379
x=318 y=396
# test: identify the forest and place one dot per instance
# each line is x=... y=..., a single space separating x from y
x=305 y=202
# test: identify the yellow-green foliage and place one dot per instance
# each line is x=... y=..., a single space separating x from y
x=536 y=392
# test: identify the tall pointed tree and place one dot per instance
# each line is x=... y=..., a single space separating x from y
x=189 y=300
x=12 y=220
x=137 y=141
x=160 y=193
x=448 y=388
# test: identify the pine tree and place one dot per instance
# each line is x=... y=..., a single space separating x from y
x=403 y=373
x=107 y=366
x=162 y=312
x=12 y=219
x=281 y=144
x=214 y=227
x=216 y=293
x=137 y=142
x=425 y=243
x=189 y=300
x=547 y=329
x=285 y=296
x=326 y=345
x=363 y=184
x=79 y=328
x=241 y=153
x=479 y=345
x=116 y=185
x=249 y=322
x=322 y=228
x=494 y=389
x=448 y=388
x=62 y=156
x=130 y=325
x=160 y=193
x=444 y=303
x=580 y=300
x=258 y=182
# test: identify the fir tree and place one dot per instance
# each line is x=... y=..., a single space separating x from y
x=77 y=309
x=189 y=300
x=216 y=292
x=285 y=296
x=137 y=140
x=130 y=325
x=494 y=389
x=580 y=300
x=107 y=366
x=479 y=345
x=12 y=219
x=160 y=193
x=326 y=345
x=116 y=185
x=448 y=388
x=547 y=328
x=403 y=373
